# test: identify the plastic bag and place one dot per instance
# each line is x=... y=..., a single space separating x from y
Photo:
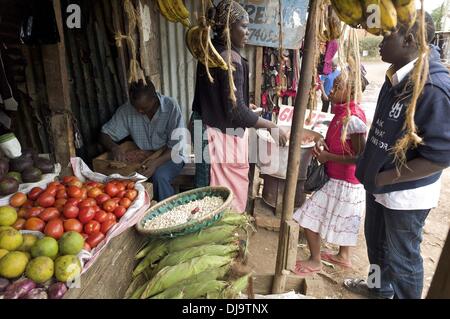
x=316 y=177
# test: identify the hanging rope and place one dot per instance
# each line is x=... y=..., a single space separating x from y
x=417 y=81
x=230 y=67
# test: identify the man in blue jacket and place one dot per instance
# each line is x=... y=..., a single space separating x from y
x=397 y=206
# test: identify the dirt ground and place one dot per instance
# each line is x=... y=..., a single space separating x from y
x=328 y=283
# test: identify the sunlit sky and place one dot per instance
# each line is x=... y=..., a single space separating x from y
x=430 y=5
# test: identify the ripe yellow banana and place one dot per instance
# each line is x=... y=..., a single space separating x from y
x=165 y=11
x=180 y=9
x=400 y=3
x=349 y=11
x=407 y=14
x=381 y=16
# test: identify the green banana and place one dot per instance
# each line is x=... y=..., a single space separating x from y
x=349 y=11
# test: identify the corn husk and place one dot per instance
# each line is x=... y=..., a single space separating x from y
x=212 y=235
x=171 y=276
x=193 y=291
x=204 y=250
x=235 y=288
x=159 y=251
x=147 y=248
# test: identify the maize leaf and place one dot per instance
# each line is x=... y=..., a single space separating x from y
x=204 y=250
x=170 y=276
x=193 y=291
x=155 y=254
x=211 y=235
x=235 y=288
x=136 y=283
x=147 y=248
x=138 y=292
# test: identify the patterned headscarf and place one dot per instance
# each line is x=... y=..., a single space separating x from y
x=237 y=13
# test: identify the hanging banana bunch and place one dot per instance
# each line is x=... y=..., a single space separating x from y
x=329 y=23
x=175 y=11
x=378 y=17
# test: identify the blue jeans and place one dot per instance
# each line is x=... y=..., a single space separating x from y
x=393 y=243
x=162 y=179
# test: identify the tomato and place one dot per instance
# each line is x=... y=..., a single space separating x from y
x=125 y=202
x=52 y=189
x=121 y=186
x=111 y=189
x=70 y=211
x=54 y=228
x=121 y=194
x=109 y=205
x=86 y=214
x=84 y=193
x=19 y=224
x=106 y=226
x=73 y=224
x=61 y=194
x=59 y=204
x=34 y=212
x=46 y=200
x=18 y=199
x=131 y=185
x=61 y=187
x=94 y=192
x=85 y=236
x=28 y=204
x=102 y=198
x=34 y=193
x=74 y=192
x=111 y=217
x=116 y=200
x=74 y=201
x=131 y=194
x=88 y=202
x=22 y=213
x=55 y=183
x=91 y=227
x=95 y=239
x=35 y=223
x=76 y=183
x=49 y=214
x=100 y=216
x=96 y=208
x=120 y=211
x=87 y=247
x=68 y=179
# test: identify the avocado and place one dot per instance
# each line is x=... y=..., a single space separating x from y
x=15 y=175
x=8 y=186
x=45 y=165
x=31 y=175
x=21 y=163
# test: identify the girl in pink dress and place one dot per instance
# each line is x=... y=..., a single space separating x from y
x=334 y=212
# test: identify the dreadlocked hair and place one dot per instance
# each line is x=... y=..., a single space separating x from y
x=424 y=30
x=141 y=88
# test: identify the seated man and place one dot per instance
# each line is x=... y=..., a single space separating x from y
x=150 y=118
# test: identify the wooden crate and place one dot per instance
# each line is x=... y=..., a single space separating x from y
x=262 y=284
x=106 y=165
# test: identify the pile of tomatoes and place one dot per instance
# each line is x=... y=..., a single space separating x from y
x=90 y=208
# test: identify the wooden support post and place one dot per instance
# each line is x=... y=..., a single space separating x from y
x=58 y=93
x=258 y=75
x=301 y=102
x=440 y=286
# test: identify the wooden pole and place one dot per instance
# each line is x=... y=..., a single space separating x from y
x=58 y=93
x=301 y=102
x=440 y=286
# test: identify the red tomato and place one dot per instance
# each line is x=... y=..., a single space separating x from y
x=88 y=202
x=74 y=192
x=86 y=214
x=34 y=212
x=121 y=186
x=61 y=194
x=70 y=211
x=120 y=211
x=19 y=224
x=61 y=187
x=111 y=217
x=54 y=228
x=102 y=198
x=59 y=204
x=96 y=208
x=22 y=213
x=125 y=202
x=94 y=192
x=35 y=223
x=55 y=183
x=131 y=194
x=34 y=193
x=111 y=189
x=68 y=179
x=91 y=227
x=46 y=200
x=109 y=206
x=49 y=214
x=106 y=226
x=84 y=193
x=28 y=204
x=116 y=200
x=74 y=201
x=130 y=185
x=51 y=189
x=87 y=247
x=94 y=239
x=121 y=194
x=76 y=183
x=100 y=216
x=73 y=225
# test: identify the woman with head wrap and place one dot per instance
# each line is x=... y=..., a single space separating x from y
x=224 y=154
